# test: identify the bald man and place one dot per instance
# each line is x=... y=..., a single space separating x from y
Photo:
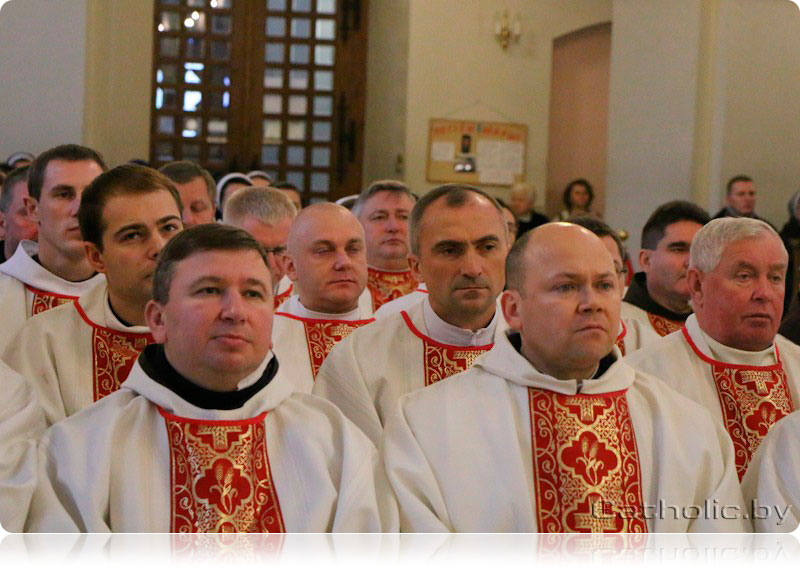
x=458 y=249
x=327 y=261
x=550 y=431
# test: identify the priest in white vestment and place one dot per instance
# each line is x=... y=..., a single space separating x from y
x=458 y=245
x=327 y=262
x=207 y=435
x=21 y=425
x=771 y=485
x=77 y=353
x=657 y=301
x=727 y=356
x=266 y=214
x=54 y=271
x=550 y=431
x=383 y=210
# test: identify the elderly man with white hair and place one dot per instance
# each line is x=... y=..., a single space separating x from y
x=728 y=355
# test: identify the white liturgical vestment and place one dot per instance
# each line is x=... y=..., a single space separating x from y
x=403 y=303
x=302 y=339
x=282 y=291
x=75 y=354
x=27 y=288
x=746 y=392
x=21 y=425
x=505 y=448
x=771 y=485
x=366 y=373
x=647 y=327
x=145 y=459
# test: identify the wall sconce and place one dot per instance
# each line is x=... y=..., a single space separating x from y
x=505 y=30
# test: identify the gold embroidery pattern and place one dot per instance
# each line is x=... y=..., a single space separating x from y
x=322 y=336
x=662 y=325
x=386 y=286
x=442 y=362
x=751 y=401
x=43 y=301
x=220 y=476
x=586 y=470
x=114 y=354
x=281 y=297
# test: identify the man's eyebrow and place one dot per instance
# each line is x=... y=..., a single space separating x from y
x=682 y=243
x=206 y=278
x=128 y=227
x=488 y=237
x=62 y=187
x=252 y=281
x=355 y=241
x=326 y=242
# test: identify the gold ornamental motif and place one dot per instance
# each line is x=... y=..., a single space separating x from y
x=586 y=471
x=322 y=336
x=44 y=301
x=662 y=325
x=751 y=400
x=443 y=361
x=386 y=286
x=220 y=476
x=114 y=354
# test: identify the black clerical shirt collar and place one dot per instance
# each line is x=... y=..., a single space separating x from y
x=605 y=363
x=638 y=296
x=153 y=361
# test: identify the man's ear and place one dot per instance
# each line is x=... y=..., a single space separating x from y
x=3 y=223
x=694 y=279
x=413 y=265
x=156 y=320
x=95 y=257
x=289 y=266
x=510 y=303
x=31 y=208
x=644 y=259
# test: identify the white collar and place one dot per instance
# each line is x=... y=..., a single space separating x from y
x=442 y=331
x=718 y=351
x=293 y=306
x=24 y=268
x=505 y=361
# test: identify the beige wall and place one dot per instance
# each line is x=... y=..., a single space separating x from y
x=118 y=78
x=42 y=52
x=457 y=69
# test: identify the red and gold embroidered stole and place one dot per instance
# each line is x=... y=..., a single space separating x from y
x=662 y=325
x=386 y=286
x=113 y=355
x=586 y=473
x=752 y=399
x=44 y=300
x=620 y=342
x=281 y=297
x=220 y=476
x=323 y=335
x=441 y=360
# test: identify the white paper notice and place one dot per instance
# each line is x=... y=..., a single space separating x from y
x=443 y=151
x=499 y=161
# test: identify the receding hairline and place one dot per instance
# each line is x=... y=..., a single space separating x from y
x=305 y=217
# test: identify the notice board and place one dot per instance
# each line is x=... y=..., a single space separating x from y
x=476 y=152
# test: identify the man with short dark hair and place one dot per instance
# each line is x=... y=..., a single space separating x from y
x=78 y=353
x=327 y=261
x=207 y=435
x=291 y=191
x=728 y=356
x=14 y=220
x=458 y=248
x=266 y=214
x=383 y=209
x=56 y=270
x=657 y=301
x=196 y=188
x=550 y=431
x=740 y=199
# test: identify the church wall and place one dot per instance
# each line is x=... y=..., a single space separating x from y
x=118 y=78
x=457 y=69
x=387 y=79
x=42 y=53
x=760 y=41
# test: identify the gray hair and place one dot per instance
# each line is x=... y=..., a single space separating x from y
x=710 y=241
x=267 y=205
x=380 y=186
